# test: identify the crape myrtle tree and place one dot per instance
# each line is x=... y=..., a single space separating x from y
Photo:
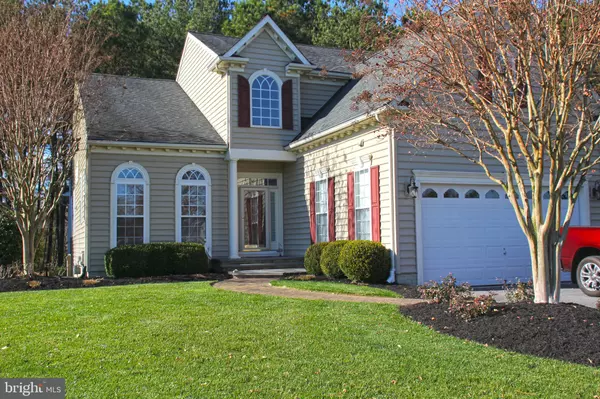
x=508 y=86
x=45 y=52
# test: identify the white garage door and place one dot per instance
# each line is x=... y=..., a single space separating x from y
x=472 y=232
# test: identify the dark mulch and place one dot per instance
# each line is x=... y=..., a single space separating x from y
x=567 y=332
x=407 y=291
x=55 y=283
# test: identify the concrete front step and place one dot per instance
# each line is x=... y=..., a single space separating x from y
x=263 y=263
x=266 y=273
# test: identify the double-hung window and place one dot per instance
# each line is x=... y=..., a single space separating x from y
x=266 y=100
x=321 y=206
x=129 y=205
x=193 y=196
x=362 y=204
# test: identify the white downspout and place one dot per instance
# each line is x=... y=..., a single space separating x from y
x=393 y=191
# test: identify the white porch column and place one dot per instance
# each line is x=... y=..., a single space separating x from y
x=233 y=210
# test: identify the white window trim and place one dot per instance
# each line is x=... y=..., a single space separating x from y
x=356 y=171
x=114 y=180
x=279 y=82
x=208 y=184
x=317 y=181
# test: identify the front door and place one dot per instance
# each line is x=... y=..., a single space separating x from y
x=254 y=219
x=260 y=214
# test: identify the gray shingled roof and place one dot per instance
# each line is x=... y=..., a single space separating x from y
x=332 y=59
x=341 y=108
x=119 y=108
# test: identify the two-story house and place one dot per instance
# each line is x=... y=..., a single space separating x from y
x=257 y=149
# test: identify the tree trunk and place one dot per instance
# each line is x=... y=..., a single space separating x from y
x=60 y=232
x=29 y=245
x=545 y=257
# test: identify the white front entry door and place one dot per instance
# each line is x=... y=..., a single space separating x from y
x=472 y=232
x=261 y=214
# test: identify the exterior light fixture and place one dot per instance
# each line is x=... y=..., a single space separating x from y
x=412 y=189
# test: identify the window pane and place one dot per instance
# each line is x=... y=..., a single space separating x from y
x=265 y=102
x=193 y=229
x=130 y=230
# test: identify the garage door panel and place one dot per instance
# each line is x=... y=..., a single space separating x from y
x=478 y=239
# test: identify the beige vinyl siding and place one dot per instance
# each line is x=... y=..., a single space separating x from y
x=162 y=171
x=259 y=167
x=207 y=89
x=337 y=158
x=315 y=92
x=263 y=53
x=594 y=212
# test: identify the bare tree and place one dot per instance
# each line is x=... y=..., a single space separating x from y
x=506 y=84
x=45 y=52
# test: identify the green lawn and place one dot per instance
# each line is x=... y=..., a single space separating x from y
x=190 y=340
x=336 y=288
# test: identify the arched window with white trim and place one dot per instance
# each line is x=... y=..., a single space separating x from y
x=193 y=202
x=265 y=97
x=130 y=192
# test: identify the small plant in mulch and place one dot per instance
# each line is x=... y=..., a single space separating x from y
x=458 y=297
x=519 y=292
x=469 y=308
x=33 y=284
x=445 y=291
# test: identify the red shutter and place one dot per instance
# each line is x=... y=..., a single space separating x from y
x=243 y=102
x=287 y=106
x=331 y=207
x=313 y=214
x=375 y=205
x=351 y=216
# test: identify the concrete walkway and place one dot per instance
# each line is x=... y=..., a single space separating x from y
x=261 y=286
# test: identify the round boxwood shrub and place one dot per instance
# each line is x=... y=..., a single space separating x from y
x=329 y=259
x=312 y=258
x=365 y=261
x=156 y=259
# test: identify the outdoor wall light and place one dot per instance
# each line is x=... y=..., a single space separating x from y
x=595 y=191
x=412 y=189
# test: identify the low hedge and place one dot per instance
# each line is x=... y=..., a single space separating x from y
x=330 y=259
x=365 y=261
x=156 y=259
x=312 y=258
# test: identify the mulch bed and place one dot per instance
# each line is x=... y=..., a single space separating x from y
x=407 y=291
x=56 y=283
x=567 y=332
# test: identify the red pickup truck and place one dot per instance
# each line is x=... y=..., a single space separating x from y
x=580 y=255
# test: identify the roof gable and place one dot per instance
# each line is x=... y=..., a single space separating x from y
x=278 y=36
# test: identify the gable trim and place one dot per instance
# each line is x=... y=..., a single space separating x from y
x=254 y=32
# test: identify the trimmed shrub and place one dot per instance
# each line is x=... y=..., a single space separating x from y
x=330 y=259
x=365 y=261
x=312 y=258
x=156 y=259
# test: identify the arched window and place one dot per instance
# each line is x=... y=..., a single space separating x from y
x=492 y=194
x=472 y=194
x=451 y=193
x=130 y=189
x=266 y=99
x=429 y=193
x=193 y=202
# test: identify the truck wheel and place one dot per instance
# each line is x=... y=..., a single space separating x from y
x=588 y=276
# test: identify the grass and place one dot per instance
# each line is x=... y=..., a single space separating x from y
x=335 y=288
x=190 y=340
